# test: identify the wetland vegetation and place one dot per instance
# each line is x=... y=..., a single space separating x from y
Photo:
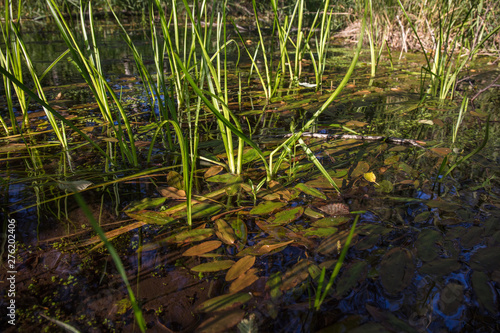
x=281 y=166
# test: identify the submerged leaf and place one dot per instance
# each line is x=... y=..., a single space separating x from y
x=274 y=284
x=396 y=270
x=298 y=273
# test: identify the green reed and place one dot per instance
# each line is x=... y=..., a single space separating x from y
x=449 y=53
x=285 y=147
x=87 y=61
x=322 y=43
x=323 y=289
x=116 y=259
x=11 y=60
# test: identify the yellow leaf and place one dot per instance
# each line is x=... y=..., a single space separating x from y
x=370 y=176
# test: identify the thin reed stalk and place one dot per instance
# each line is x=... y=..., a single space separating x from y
x=291 y=141
x=89 y=65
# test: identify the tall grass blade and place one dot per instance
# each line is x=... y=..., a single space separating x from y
x=116 y=259
x=321 y=293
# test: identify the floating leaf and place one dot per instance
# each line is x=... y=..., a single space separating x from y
x=151 y=217
x=243 y=281
x=484 y=292
x=389 y=321
x=396 y=270
x=322 y=182
x=335 y=209
x=193 y=235
x=174 y=179
x=368 y=242
x=370 y=176
x=249 y=155
x=314 y=271
x=352 y=274
x=486 y=259
x=391 y=160
x=224 y=232
x=202 y=248
x=355 y=123
x=215 y=266
x=441 y=151
x=200 y=210
x=227 y=178
x=385 y=186
x=310 y=190
x=221 y=322
x=443 y=205
x=360 y=169
x=286 y=216
x=241 y=266
x=212 y=171
x=268 y=248
x=172 y=193
x=426 y=244
x=240 y=228
x=224 y=302
x=267 y=207
x=313 y=214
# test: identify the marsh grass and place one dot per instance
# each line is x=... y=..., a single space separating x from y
x=449 y=54
x=87 y=61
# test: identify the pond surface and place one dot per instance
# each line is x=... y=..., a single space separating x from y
x=424 y=256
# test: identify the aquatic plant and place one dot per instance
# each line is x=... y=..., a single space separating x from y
x=88 y=63
x=449 y=55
